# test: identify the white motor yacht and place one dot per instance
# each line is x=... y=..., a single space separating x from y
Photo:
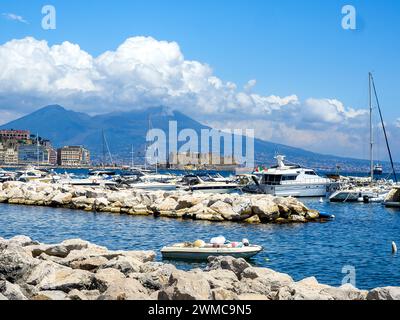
x=32 y=174
x=365 y=195
x=289 y=180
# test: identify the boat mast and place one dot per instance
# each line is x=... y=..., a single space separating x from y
x=384 y=128
x=105 y=146
x=132 y=164
x=37 y=148
x=371 y=150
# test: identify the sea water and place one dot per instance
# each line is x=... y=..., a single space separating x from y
x=358 y=239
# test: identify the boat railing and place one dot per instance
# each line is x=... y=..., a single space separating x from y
x=293 y=182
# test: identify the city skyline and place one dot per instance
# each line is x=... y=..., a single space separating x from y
x=287 y=69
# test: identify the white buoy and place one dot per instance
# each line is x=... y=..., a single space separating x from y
x=321 y=200
x=394 y=247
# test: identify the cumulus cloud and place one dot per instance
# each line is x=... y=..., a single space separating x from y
x=250 y=85
x=140 y=72
x=144 y=72
x=14 y=17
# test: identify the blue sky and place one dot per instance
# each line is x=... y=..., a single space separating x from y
x=290 y=47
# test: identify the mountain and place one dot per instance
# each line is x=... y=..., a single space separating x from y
x=124 y=129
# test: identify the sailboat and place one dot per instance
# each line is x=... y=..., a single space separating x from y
x=375 y=191
x=104 y=172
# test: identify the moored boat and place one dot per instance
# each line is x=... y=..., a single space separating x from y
x=196 y=183
x=392 y=200
x=199 y=250
x=290 y=180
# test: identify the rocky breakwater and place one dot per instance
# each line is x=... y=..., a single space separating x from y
x=179 y=204
x=79 y=270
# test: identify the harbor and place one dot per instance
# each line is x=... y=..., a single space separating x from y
x=244 y=152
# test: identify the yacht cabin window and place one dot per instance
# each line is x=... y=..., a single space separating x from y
x=310 y=173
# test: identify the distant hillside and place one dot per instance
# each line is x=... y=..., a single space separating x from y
x=124 y=129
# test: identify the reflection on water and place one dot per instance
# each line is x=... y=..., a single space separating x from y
x=360 y=236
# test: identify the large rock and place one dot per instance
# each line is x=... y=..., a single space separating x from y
x=307 y=289
x=126 y=265
x=187 y=201
x=89 y=264
x=42 y=271
x=22 y=241
x=96 y=194
x=228 y=263
x=186 y=286
x=76 y=244
x=221 y=279
x=56 y=295
x=62 y=198
x=265 y=209
x=66 y=279
x=346 y=292
x=83 y=294
x=125 y=289
x=142 y=256
x=168 y=204
x=59 y=251
x=262 y=281
x=221 y=294
x=386 y=293
x=154 y=275
x=11 y=291
x=225 y=210
x=15 y=262
x=104 y=278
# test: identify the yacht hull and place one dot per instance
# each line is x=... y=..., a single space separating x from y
x=297 y=190
x=204 y=253
x=214 y=190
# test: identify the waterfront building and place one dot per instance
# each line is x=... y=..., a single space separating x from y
x=201 y=161
x=10 y=156
x=73 y=156
x=18 y=135
x=33 y=154
x=52 y=156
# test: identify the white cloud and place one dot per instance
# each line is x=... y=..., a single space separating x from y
x=14 y=17
x=145 y=72
x=250 y=85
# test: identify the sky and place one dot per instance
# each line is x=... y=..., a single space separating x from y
x=286 y=68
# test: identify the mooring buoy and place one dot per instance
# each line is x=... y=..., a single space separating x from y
x=394 y=247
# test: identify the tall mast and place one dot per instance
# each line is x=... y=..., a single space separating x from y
x=37 y=148
x=104 y=148
x=384 y=129
x=132 y=164
x=371 y=150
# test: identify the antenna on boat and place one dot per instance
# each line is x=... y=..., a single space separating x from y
x=383 y=126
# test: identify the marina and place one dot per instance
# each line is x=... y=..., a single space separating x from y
x=194 y=160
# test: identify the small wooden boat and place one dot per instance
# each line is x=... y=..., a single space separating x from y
x=185 y=251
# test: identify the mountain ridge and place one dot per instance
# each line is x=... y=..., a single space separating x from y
x=126 y=128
